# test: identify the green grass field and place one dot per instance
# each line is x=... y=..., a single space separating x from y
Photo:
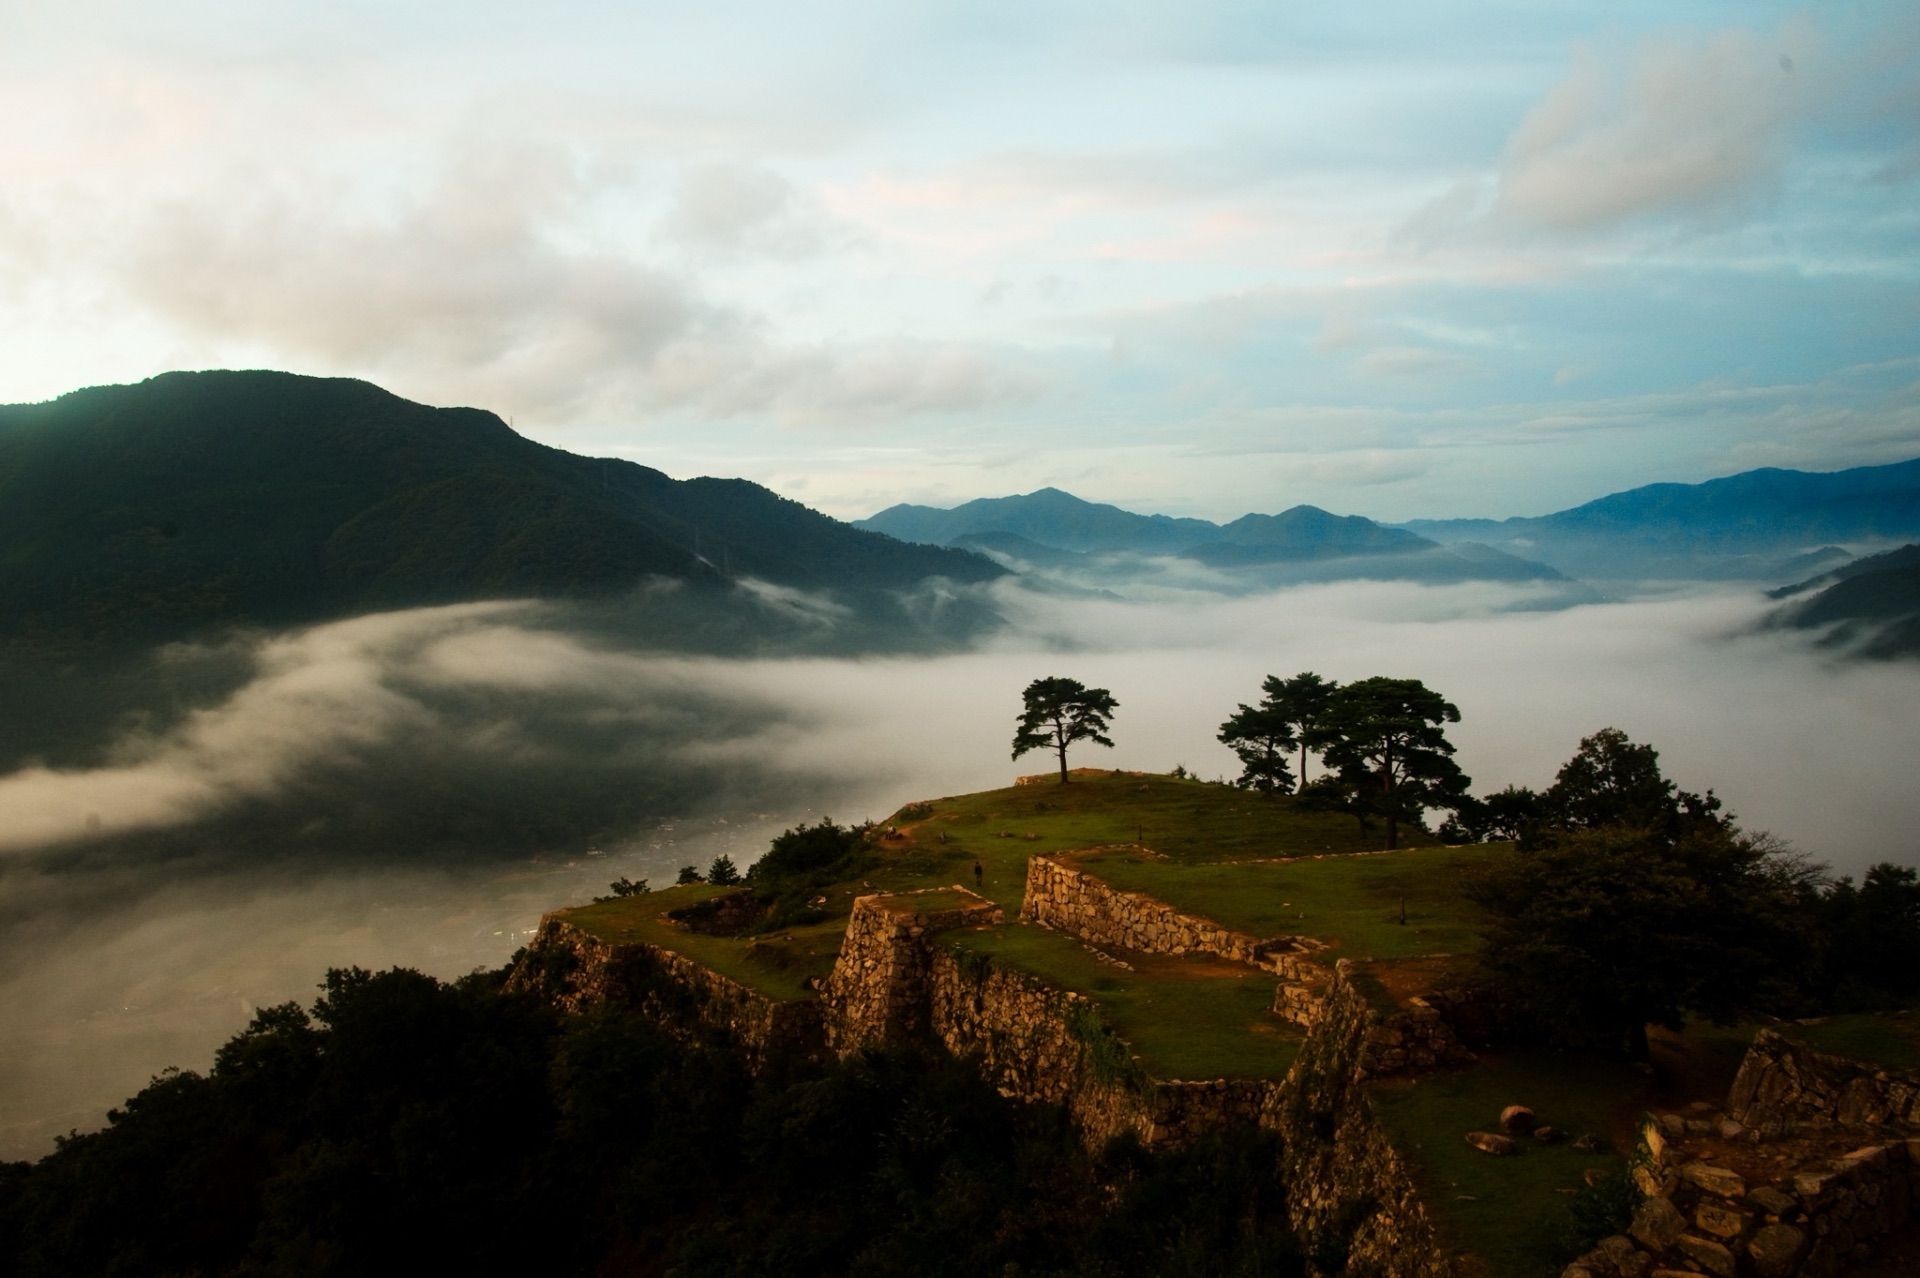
x=1351 y=901
x=1509 y=1211
x=1185 y=1017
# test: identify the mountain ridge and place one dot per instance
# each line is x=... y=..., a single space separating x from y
x=151 y=511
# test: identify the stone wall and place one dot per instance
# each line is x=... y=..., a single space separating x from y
x=879 y=991
x=1410 y=1039
x=1783 y=1085
x=1030 y=1040
x=1350 y=1193
x=1798 y=1211
x=578 y=971
x=1074 y=901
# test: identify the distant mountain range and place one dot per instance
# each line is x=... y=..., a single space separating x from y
x=1054 y=530
x=1755 y=525
x=193 y=500
x=1760 y=525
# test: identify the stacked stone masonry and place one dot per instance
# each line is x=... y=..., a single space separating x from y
x=1783 y=1084
x=579 y=971
x=1840 y=1154
x=1074 y=901
x=1349 y=1190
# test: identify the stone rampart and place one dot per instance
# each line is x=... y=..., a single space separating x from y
x=879 y=991
x=1074 y=901
x=1783 y=1085
x=578 y=971
x=1351 y=1195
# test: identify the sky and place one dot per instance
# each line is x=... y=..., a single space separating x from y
x=1410 y=260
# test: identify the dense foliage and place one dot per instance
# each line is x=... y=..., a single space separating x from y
x=406 y=1126
x=800 y=862
x=1630 y=902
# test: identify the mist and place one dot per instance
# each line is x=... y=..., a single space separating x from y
x=419 y=787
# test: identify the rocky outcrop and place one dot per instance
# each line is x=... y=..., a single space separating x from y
x=578 y=971
x=1783 y=1084
x=1350 y=1192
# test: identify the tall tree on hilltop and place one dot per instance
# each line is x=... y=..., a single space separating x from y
x=1060 y=712
x=1385 y=735
x=1261 y=735
x=1303 y=700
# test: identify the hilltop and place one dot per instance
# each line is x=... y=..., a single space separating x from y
x=145 y=513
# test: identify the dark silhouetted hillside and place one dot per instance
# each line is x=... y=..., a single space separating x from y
x=1873 y=604
x=152 y=511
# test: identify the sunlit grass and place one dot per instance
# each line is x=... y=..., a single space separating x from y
x=1354 y=902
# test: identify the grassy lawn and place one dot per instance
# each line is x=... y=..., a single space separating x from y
x=777 y=966
x=1509 y=1211
x=1188 y=1018
x=1193 y=822
x=1892 y=1042
x=1351 y=901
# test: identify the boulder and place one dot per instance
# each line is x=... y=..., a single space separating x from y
x=1706 y=1253
x=1715 y=1180
x=1770 y=1200
x=1657 y=1223
x=1588 y=1143
x=1547 y=1135
x=1719 y=1219
x=1492 y=1143
x=1628 y=1260
x=1516 y=1118
x=1776 y=1250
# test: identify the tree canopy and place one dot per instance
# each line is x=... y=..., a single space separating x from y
x=1385 y=735
x=1059 y=712
x=1261 y=736
x=1607 y=930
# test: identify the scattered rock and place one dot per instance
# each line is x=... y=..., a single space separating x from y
x=1776 y=1250
x=1516 y=1118
x=1657 y=1224
x=1706 y=1253
x=1730 y=1130
x=1492 y=1143
x=1771 y=1200
x=1715 y=1180
x=1546 y=1134
x=1594 y=1175
x=1675 y=1126
x=1588 y=1143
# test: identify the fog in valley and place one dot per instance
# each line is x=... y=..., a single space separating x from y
x=418 y=787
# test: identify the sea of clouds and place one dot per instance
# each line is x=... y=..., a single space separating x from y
x=363 y=797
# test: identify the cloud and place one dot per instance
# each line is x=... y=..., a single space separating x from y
x=735 y=209
x=850 y=384
x=463 y=278
x=1679 y=125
